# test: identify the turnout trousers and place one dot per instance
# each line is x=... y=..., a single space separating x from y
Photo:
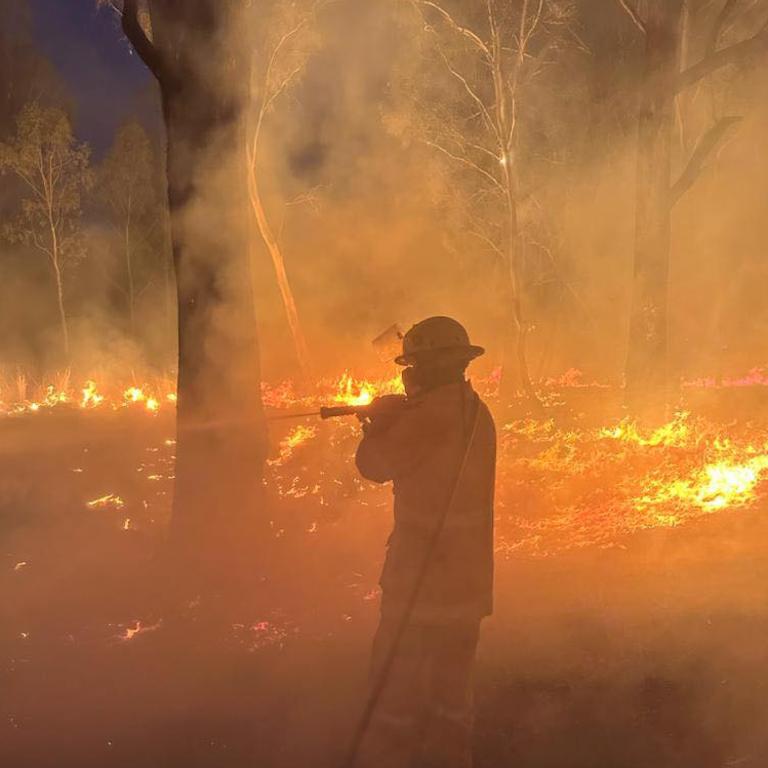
x=424 y=715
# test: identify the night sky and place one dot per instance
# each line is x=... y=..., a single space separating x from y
x=105 y=81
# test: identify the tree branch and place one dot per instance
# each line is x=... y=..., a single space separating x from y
x=487 y=240
x=634 y=15
x=280 y=87
x=718 y=26
x=711 y=140
x=472 y=94
x=468 y=33
x=733 y=54
x=466 y=162
x=148 y=52
x=531 y=29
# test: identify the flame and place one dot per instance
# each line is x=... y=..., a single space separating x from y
x=91 y=398
x=154 y=397
x=138 y=629
x=673 y=433
x=296 y=437
x=103 y=502
x=716 y=486
x=137 y=395
x=351 y=391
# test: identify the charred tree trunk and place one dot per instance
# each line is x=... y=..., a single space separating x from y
x=221 y=444
x=647 y=358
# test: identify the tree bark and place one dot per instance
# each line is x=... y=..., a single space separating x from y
x=59 y=279
x=515 y=371
x=60 y=303
x=647 y=357
x=201 y=64
x=129 y=274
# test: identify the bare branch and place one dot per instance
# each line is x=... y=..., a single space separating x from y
x=467 y=163
x=267 y=97
x=281 y=86
x=733 y=54
x=472 y=94
x=278 y=47
x=487 y=240
x=634 y=15
x=531 y=30
x=719 y=26
x=468 y=33
x=133 y=30
x=484 y=150
x=40 y=245
x=711 y=140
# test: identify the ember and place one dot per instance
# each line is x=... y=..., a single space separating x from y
x=129 y=633
x=107 y=501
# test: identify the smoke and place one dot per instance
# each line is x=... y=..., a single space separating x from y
x=385 y=236
x=375 y=226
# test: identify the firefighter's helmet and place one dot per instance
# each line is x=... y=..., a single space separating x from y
x=436 y=339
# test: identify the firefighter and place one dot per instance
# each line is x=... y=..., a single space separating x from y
x=438 y=448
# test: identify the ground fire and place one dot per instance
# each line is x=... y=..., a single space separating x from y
x=591 y=485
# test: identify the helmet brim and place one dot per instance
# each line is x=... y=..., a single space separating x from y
x=469 y=352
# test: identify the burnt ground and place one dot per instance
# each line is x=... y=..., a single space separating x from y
x=649 y=653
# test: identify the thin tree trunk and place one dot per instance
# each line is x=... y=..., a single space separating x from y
x=516 y=353
x=60 y=302
x=129 y=274
x=286 y=292
x=505 y=89
x=55 y=263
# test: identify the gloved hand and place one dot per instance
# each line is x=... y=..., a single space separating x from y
x=382 y=413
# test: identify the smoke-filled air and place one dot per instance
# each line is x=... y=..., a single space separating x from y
x=383 y=383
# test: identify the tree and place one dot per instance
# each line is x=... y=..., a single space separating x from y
x=199 y=53
x=54 y=171
x=662 y=26
x=127 y=188
x=494 y=62
x=271 y=77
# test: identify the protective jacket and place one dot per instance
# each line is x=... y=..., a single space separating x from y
x=421 y=451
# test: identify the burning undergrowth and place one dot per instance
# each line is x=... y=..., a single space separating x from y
x=563 y=484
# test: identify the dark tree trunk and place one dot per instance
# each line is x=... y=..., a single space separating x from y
x=647 y=358
x=221 y=443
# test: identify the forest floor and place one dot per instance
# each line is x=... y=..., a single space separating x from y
x=627 y=634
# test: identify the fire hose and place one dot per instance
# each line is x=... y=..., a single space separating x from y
x=380 y=682
x=378 y=407
x=326 y=412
